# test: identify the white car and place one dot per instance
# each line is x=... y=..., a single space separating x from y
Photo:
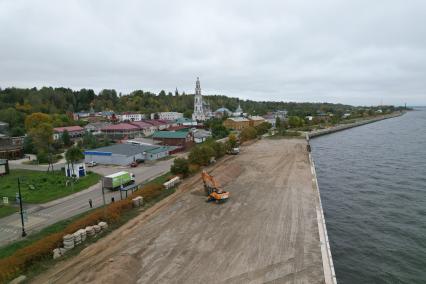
x=91 y=164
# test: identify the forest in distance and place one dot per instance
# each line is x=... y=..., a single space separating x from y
x=17 y=103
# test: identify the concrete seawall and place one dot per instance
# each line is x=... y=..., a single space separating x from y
x=350 y=125
x=327 y=259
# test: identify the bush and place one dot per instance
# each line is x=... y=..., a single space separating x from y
x=263 y=128
x=248 y=133
x=232 y=141
x=42 y=157
x=193 y=168
x=149 y=192
x=180 y=167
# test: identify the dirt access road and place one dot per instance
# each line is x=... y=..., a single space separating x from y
x=266 y=232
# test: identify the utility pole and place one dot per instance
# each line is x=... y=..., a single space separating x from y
x=22 y=211
x=103 y=197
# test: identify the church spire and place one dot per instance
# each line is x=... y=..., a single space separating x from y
x=197 y=87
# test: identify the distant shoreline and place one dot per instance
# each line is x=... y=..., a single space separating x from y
x=341 y=127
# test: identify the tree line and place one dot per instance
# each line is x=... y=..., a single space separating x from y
x=17 y=103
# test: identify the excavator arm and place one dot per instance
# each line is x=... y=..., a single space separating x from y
x=213 y=189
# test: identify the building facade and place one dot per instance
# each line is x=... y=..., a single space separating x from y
x=202 y=109
x=236 y=123
x=124 y=154
x=73 y=131
x=130 y=116
x=169 y=115
x=256 y=120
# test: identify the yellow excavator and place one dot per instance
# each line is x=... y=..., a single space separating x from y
x=213 y=190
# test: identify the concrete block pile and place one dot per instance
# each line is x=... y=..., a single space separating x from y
x=79 y=237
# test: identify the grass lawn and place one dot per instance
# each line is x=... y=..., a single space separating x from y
x=7 y=210
x=40 y=186
x=160 y=179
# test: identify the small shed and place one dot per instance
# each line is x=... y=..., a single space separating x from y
x=78 y=169
x=4 y=167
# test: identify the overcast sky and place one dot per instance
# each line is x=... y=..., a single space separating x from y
x=357 y=52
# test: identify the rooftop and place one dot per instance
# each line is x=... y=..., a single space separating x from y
x=170 y=134
x=156 y=122
x=120 y=126
x=223 y=109
x=141 y=124
x=239 y=119
x=256 y=117
x=126 y=149
x=68 y=128
x=183 y=119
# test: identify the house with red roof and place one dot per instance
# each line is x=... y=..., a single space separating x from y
x=146 y=128
x=73 y=131
x=121 y=130
x=159 y=124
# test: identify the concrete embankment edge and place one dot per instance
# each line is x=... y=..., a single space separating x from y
x=351 y=125
x=327 y=260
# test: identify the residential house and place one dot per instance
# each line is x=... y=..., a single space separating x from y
x=183 y=139
x=95 y=127
x=73 y=131
x=121 y=130
x=201 y=135
x=130 y=116
x=169 y=115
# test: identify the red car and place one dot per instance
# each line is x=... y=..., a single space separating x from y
x=133 y=164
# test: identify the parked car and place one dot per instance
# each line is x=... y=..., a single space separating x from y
x=91 y=164
x=140 y=161
x=234 y=151
x=134 y=164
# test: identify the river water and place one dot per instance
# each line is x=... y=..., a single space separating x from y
x=372 y=182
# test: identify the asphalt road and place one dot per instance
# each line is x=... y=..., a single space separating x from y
x=42 y=215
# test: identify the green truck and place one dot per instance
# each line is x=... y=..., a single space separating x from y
x=115 y=181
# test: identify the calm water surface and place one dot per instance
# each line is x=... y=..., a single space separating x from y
x=373 y=186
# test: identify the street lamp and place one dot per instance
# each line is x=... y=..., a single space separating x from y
x=20 y=205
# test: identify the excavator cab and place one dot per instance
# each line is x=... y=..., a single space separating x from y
x=213 y=190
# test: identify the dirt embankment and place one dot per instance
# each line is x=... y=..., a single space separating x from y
x=267 y=231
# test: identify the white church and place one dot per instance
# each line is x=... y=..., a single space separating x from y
x=202 y=110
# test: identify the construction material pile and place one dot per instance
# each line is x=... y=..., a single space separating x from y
x=79 y=237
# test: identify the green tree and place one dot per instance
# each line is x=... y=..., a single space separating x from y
x=66 y=139
x=42 y=137
x=277 y=122
x=29 y=147
x=180 y=167
x=17 y=131
x=201 y=155
x=219 y=149
x=263 y=128
x=295 y=121
x=187 y=114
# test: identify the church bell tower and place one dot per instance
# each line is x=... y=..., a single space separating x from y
x=198 y=113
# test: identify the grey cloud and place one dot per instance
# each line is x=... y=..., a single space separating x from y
x=357 y=52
